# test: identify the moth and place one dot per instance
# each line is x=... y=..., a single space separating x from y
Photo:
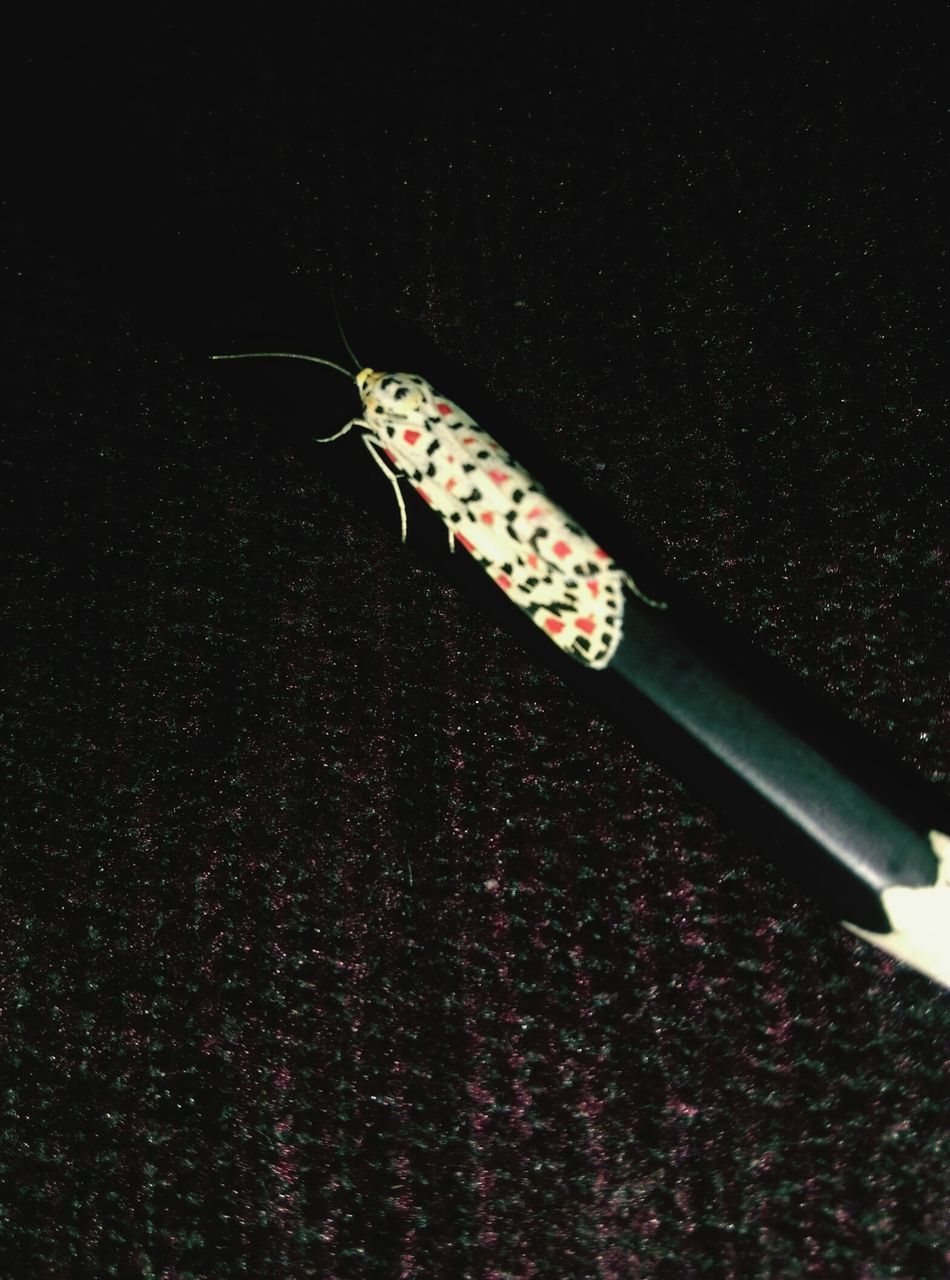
x=541 y=558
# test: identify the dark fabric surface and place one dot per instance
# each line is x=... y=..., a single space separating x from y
x=337 y=938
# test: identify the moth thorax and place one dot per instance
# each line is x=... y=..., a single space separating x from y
x=393 y=395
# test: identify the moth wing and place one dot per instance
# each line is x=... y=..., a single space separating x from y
x=512 y=494
x=454 y=467
x=543 y=561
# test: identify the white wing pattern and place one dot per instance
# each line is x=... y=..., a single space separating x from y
x=542 y=559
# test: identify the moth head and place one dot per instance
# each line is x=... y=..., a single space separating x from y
x=394 y=395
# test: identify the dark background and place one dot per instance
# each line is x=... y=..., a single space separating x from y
x=338 y=938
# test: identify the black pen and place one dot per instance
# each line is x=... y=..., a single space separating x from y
x=841 y=815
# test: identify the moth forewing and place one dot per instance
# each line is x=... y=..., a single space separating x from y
x=542 y=559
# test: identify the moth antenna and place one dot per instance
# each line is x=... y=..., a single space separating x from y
x=287 y=355
x=349 y=350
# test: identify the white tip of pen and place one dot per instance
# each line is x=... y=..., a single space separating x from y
x=920 y=919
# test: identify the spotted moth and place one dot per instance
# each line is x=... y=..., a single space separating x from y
x=542 y=559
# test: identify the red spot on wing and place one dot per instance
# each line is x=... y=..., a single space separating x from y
x=503 y=580
x=532 y=560
x=451 y=483
x=488 y=517
x=601 y=554
x=499 y=477
x=536 y=513
x=561 y=549
x=469 y=440
x=391 y=456
x=411 y=436
x=443 y=408
x=593 y=586
x=554 y=625
x=586 y=625
x=460 y=537
x=422 y=494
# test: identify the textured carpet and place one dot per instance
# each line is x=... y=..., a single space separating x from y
x=337 y=938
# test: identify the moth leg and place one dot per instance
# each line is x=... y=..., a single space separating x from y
x=373 y=447
x=629 y=583
x=353 y=422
